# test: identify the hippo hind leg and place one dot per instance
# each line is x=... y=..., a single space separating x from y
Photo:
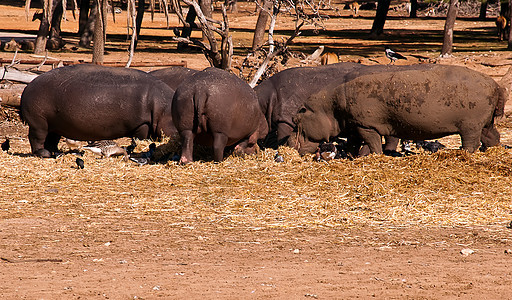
x=187 y=143
x=490 y=136
x=51 y=143
x=142 y=132
x=372 y=138
x=37 y=138
x=470 y=139
x=219 y=143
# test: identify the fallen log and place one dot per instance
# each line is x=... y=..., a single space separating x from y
x=16 y=75
x=11 y=96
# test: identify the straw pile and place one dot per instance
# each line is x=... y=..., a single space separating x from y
x=450 y=187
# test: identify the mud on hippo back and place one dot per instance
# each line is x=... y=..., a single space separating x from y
x=90 y=102
x=417 y=102
x=216 y=108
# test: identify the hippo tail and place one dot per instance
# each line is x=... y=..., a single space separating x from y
x=503 y=94
x=199 y=112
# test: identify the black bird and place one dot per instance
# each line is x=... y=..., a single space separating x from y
x=141 y=160
x=392 y=55
x=80 y=163
x=6 y=145
x=132 y=147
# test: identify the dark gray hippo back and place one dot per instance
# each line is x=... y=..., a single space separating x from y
x=173 y=76
x=90 y=102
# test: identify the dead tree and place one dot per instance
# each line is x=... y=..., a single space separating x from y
x=448 y=28
x=261 y=24
x=218 y=56
x=48 y=35
x=100 y=30
x=380 y=17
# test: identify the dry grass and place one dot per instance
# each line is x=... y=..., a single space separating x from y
x=450 y=187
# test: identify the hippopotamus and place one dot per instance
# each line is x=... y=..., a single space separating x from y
x=216 y=108
x=418 y=102
x=91 y=102
x=173 y=76
x=282 y=95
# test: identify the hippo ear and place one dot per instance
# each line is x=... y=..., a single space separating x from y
x=302 y=110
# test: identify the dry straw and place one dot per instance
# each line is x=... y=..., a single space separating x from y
x=450 y=187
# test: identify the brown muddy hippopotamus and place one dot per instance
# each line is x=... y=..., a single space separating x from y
x=91 y=102
x=173 y=76
x=216 y=108
x=418 y=102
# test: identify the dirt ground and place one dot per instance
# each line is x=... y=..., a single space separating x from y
x=63 y=245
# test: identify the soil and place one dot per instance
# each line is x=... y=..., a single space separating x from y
x=48 y=255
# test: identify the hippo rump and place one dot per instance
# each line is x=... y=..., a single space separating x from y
x=418 y=102
x=91 y=102
x=282 y=95
x=216 y=108
x=173 y=76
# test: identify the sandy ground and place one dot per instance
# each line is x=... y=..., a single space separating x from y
x=45 y=255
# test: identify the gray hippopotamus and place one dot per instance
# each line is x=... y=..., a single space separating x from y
x=417 y=102
x=282 y=95
x=216 y=108
x=91 y=102
x=173 y=76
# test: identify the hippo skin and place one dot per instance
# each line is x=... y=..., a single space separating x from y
x=417 y=102
x=91 y=102
x=173 y=76
x=216 y=108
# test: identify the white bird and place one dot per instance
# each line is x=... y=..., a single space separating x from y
x=392 y=55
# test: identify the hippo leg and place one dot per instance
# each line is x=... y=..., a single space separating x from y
x=470 y=140
x=187 y=147
x=490 y=136
x=372 y=138
x=391 y=143
x=37 y=138
x=51 y=143
x=219 y=143
x=142 y=132
x=283 y=133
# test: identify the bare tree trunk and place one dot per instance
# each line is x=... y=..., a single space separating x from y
x=187 y=30
x=58 y=11
x=88 y=18
x=44 y=27
x=138 y=20
x=83 y=16
x=448 y=28
x=100 y=27
x=206 y=8
x=231 y=6
x=483 y=10
x=134 y=27
x=414 y=9
x=261 y=24
x=380 y=17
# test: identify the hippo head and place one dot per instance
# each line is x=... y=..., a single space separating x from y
x=316 y=123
